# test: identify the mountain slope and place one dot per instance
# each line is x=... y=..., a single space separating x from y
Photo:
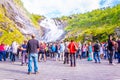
x=93 y=25
x=16 y=23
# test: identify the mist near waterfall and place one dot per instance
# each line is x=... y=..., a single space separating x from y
x=53 y=30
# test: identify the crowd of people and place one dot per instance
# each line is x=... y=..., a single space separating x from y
x=66 y=51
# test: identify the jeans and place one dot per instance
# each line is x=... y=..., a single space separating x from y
x=2 y=55
x=97 y=56
x=13 y=57
x=10 y=56
x=110 y=57
x=115 y=55
x=24 y=58
x=66 y=60
x=33 y=57
x=52 y=54
x=72 y=59
x=105 y=54
x=118 y=57
x=78 y=54
x=57 y=56
x=84 y=54
x=7 y=54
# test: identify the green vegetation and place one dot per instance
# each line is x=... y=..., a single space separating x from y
x=98 y=24
x=35 y=19
x=19 y=3
x=8 y=29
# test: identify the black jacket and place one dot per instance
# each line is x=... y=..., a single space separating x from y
x=32 y=46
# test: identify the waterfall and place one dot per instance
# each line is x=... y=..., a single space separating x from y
x=53 y=30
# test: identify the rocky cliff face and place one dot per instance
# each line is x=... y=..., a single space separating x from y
x=14 y=20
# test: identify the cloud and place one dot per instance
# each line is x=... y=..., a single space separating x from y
x=106 y=3
x=56 y=8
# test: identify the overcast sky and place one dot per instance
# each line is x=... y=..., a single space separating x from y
x=57 y=8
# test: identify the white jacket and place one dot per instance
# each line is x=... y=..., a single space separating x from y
x=14 y=47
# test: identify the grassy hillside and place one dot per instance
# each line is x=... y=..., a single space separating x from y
x=96 y=24
x=35 y=19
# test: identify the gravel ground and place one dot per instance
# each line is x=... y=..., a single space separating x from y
x=56 y=70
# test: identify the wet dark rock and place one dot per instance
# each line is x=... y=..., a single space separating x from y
x=117 y=31
x=20 y=24
x=11 y=30
x=1 y=33
x=3 y=25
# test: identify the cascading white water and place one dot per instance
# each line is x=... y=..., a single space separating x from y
x=53 y=30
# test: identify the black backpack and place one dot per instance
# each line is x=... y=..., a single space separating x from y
x=97 y=47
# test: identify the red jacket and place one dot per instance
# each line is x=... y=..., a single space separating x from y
x=71 y=47
x=2 y=48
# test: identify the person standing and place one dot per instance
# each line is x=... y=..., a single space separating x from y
x=105 y=50
x=90 y=52
x=118 y=55
x=79 y=53
x=24 y=53
x=14 y=47
x=72 y=48
x=101 y=51
x=32 y=50
x=97 y=52
x=2 y=52
x=116 y=48
x=110 y=49
x=66 y=56
x=53 y=49
x=42 y=51
x=62 y=49
x=84 y=50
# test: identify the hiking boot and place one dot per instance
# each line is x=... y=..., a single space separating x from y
x=74 y=65
x=36 y=72
x=21 y=64
x=29 y=73
x=111 y=63
x=26 y=64
x=67 y=62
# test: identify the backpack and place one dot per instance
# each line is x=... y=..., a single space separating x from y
x=97 y=47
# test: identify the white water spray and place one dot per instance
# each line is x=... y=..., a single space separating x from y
x=53 y=30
